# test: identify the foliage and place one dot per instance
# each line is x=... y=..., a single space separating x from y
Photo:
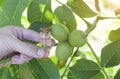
x=40 y=14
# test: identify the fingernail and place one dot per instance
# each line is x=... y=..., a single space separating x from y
x=40 y=53
x=47 y=53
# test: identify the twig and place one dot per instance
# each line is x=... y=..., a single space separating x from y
x=69 y=63
x=105 y=73
x=107 y=17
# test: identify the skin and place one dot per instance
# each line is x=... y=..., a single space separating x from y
x=12 y=44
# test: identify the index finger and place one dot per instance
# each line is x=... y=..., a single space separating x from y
x=23 y=33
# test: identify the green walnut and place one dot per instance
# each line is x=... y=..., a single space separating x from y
x=59 y=31
x=77 y=38
x=64 y=50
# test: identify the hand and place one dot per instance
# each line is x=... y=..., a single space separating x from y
x=12 y=41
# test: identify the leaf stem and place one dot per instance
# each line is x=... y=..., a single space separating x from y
x=69 y=63
x=105 y=73
x=107 y=17
x=92 y=26
x=97 y=6
x=60 y=2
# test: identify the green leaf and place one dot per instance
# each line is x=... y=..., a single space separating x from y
x=11 y=12
x=10 y=72
x=6 y=73
x=84 y=69
x=70 y=76
x=1 y=1
x=117 y=76
x=37 y=25
x=99 y=76
x=64 y=15
x=25 y=72
x=110 y=55
x=114 y=35
x=14 y=70
x=40 y=11
x=1 y=71
x=81 y=8
x=44 y=69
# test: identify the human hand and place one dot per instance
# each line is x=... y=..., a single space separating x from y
x=12 y=41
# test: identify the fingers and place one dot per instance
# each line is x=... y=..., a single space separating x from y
x=20 y=59
x=17 y=59
x=47 y=52
x=23 y=33
x=44 y=37
x=27 y=49
x=48 y=41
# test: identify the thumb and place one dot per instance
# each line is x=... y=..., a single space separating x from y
x=27 y=49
